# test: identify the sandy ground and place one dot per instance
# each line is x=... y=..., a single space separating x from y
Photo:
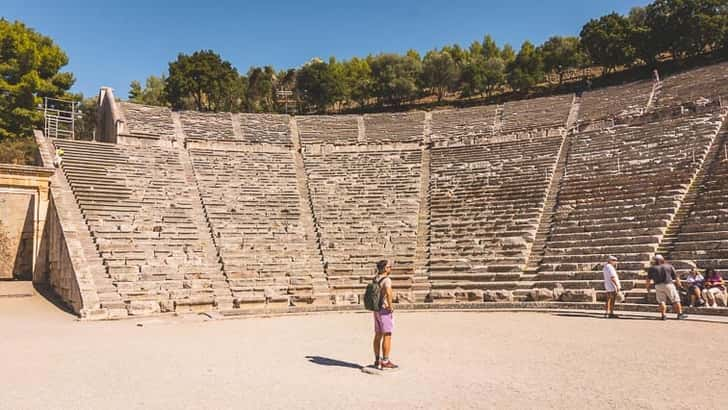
x=449 y=360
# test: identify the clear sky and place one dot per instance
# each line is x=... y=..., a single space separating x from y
x=113 y=43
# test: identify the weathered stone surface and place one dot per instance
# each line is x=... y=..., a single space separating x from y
x=540 y=295
x=144 y=307
x=441 y=296
x=498 y=296
x=579 y=295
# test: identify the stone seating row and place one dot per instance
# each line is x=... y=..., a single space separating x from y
x=616 y=101
x=328 y=129
x=620 y=189
x=545 y=112
x=394 y=128
x=459 y=124
x=207 y=125
x=486 y=202
x=698 y=86
x=253 y=204
x=265 y=129
x=148 y=120
x=150 y=235
x=703 y=237
x=366 y=206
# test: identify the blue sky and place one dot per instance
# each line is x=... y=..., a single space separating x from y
x=114 y=44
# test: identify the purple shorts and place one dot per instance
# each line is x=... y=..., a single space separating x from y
x=383 y=321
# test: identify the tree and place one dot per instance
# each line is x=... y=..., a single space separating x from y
x=687 y=27
x=86 y=121
x=607 y=41
x=358 y=80
x=317 y=85
x=204 y=77
x=561 y=54
x=135 y=91
x=642 y=37
x=490 y=48
x=261 y=89
x=440 y=73
x=508 y=54
x=482 y=76
x=527 y=69
x=30 y=69
x=394 y=77
x=153 y=92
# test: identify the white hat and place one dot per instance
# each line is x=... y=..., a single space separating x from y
x=612 y=258
x=659 y=257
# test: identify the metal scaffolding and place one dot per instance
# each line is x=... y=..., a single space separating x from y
x=59 y=118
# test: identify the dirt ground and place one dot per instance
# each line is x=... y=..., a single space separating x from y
x=449 y=360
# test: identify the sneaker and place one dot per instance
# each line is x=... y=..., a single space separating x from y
x=377 y=364
x=663 y=317
x=389 y=365
x=681 y=316
x=613 y=316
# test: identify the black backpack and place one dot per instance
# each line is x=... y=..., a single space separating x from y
x=373 y=295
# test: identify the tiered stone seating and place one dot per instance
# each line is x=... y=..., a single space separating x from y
x=148 y=120
x=461 y=124
x=265 y=129
x=366 y=205
x=619 y=192
x=703 y=238
x=705 y=83
x=546 y=112
x=394 y=128
x=252 y=202
x=207 y=126
x=616 y=101
x=328 y=129
x=486 y=201
x=148 y=229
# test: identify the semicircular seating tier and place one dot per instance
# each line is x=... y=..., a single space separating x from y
x=699 y=86
x=146 y=223
x=619 y=192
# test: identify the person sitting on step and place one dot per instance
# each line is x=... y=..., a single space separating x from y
x=695 y=288
x=714 y=288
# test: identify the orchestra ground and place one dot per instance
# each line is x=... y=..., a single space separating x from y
x=448 y=359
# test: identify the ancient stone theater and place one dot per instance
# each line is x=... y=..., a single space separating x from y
x=515 y=205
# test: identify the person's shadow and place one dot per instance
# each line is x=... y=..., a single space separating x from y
x=325 y=361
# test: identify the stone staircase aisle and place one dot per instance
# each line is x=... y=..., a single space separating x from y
x=498 y=119
x=573 y=118
x=222 y=291
x=421 y=283
x=654 y=94
x=538 y=247
x=321 y=288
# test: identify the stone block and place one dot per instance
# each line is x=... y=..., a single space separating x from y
x=469 y=295
x=498 y=296
x=541 y=295
x=144 y=307
x=346 y=299
x=441 y=296
x=579 y=295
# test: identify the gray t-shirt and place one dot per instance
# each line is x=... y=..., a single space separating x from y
x=664 y=273
x=384 y=284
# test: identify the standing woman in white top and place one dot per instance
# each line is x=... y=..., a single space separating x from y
x=611 y=285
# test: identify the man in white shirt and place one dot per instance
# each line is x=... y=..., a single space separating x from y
x=611 y=285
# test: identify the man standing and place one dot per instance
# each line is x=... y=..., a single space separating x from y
x=383 y=320
x=612 y=285
x=663 y=275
